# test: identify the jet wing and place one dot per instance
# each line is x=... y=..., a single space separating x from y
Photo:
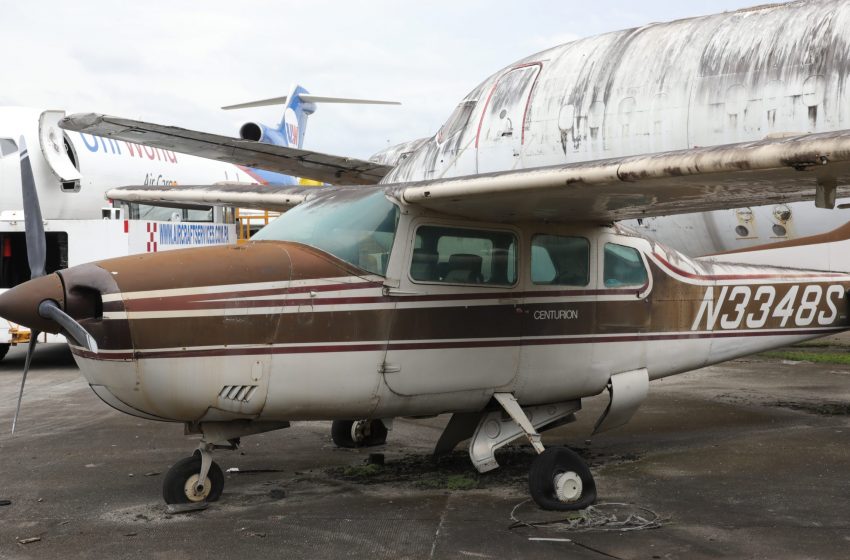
x=769 y=171
x=240 y=195
x=292 y=161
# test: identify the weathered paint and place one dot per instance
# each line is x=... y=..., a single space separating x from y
x=263 y=330
x=720 y=79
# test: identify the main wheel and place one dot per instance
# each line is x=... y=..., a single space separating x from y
x=181 y=480
x=358 y=433
x=560 y=480
x=4 y=349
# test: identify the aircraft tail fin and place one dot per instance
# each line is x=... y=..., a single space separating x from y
x=298 y=106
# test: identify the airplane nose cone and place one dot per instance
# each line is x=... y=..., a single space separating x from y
x=20 y=304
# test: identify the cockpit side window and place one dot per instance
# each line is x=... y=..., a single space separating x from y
x=457 y=121
x=7 y=147
x=623 y=266
x=464 y=256
x=559 y=260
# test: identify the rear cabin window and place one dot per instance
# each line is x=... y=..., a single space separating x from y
x=464 y=256
x=623 y=266
x=559 y=260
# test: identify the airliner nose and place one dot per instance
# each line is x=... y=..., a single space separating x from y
x=20 y=304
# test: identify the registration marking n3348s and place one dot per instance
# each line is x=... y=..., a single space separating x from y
x=753 y=306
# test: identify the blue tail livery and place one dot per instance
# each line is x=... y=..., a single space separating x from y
x=298 y=106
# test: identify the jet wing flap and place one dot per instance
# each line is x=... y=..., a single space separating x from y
x=695 y=180
x=292 y=161
x=260 y=197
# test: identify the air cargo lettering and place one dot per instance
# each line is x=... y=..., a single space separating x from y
x=752 y=307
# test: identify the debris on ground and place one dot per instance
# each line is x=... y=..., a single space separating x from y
x=187 y=508
x=5 y=502
x=600 y=517
x=453 y=471
x=152 y=473
x=29 y=540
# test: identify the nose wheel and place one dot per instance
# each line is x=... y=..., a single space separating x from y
x=187 y=481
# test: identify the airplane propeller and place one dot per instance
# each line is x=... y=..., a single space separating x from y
x=37 y=257
x=36 y=250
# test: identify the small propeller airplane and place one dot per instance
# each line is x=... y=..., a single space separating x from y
x=502 y=298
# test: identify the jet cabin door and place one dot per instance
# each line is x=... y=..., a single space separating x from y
x=501 y=131
x=52 y=141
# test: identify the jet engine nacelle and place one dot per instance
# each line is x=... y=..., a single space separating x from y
x=261 y=133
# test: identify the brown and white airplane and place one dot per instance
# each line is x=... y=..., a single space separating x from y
x=509 y=291
x=502 y=298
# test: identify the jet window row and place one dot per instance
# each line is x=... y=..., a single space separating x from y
x=482 y=257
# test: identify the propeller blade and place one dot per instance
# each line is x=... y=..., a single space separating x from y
x=49 y=310
x=33 y=224
x=30 y=349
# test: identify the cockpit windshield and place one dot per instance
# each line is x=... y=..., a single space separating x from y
x=357 y=226
x=457 y=120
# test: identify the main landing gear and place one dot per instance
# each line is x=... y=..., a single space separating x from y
x=358 y=433
x=558 y=480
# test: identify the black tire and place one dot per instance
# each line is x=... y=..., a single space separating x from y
x=342 y=434
x=377 y=434
x=174 y=483
x=547 y=466
x=4 y=349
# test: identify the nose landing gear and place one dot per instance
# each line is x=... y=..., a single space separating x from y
x=198 y=478
x=193 y=479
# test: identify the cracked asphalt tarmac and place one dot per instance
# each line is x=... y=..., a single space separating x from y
x=745 y=460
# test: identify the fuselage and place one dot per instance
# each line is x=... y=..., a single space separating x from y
x=423 y=315
x=721 y=79
x=102 y=164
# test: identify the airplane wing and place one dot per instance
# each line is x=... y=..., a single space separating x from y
x=769 y=171
x=292 y=161
x=239 y=195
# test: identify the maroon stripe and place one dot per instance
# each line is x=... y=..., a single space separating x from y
x=686 y=274
x=335 y=348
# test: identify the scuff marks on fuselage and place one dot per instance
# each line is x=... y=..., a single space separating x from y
x=712 y=80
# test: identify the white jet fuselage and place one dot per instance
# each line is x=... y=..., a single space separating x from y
x=721 y=79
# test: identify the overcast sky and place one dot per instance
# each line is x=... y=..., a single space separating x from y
x=176 y=62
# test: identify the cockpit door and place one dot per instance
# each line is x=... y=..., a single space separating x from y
x=501 y=131
x=52 y=141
